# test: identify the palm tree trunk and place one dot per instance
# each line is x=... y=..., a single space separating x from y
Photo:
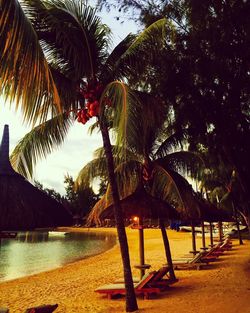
x=167 y=249
x=131 y=303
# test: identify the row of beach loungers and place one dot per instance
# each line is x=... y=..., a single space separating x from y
x=158 y=281
x=203 y=258
x=152 y=282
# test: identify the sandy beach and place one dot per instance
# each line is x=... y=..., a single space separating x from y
x=224 y=286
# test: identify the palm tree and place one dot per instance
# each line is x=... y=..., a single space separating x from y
x=222 y=187
x=220 y=182
x=60 y=51
x=152 y=160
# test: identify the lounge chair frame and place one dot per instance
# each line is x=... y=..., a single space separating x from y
x=141 y=288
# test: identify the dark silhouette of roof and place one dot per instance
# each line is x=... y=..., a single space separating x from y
x=22 y=205
x=139 y=203
x=211 y=213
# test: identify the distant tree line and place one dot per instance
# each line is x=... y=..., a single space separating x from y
x=78 y=201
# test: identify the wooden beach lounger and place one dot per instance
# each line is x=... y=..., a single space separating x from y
x=202 y=256
x=188 y=263
x=160 y=279
x=219 y=248
x=213 y=253
x=38 y=309
x=42 y=309
x=183 y=265
x=142 y=287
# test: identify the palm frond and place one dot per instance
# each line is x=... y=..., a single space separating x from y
x=144 y=48
x=72 y=30
x=136 y=117
x=185 y=162
x=126 y=189
x=93 y=127
x=118 y=154
x=173 y=188
x=71 y=99
x=90 y=172
x=154 y=113
x=217 y=194
x=156 y=29
x=128 y=177
x=125 y=170
x=122 y=111
x=39 y=142
x=24 y=73
x=209 y=183
x=112 y=69
x=99 y=208
x=172 y=143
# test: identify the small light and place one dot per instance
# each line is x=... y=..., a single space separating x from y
x=135 y=218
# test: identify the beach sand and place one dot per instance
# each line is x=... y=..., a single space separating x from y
x=222 y=287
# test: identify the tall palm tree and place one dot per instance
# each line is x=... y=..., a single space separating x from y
x=61 y=50
x=153 y=159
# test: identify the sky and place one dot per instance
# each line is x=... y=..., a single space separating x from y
x=78 y=147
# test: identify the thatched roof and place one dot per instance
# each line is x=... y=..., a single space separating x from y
x=188 y=207
x=194 y=208
x=22 y=205
x=139 y=203
x=210 y=213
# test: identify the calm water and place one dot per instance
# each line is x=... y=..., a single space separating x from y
x=34 y=252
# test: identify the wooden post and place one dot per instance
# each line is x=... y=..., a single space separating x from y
x=211 y=234
x=141 y=246
x=203 y=236
x=237 y=224
x=193 y=240
x=238 y=231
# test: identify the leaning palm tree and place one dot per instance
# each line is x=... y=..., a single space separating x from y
x=152 y=161
x=71 y=65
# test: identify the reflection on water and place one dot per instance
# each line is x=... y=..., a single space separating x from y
x=34 y=252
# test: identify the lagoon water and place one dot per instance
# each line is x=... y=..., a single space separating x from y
x=34 y=252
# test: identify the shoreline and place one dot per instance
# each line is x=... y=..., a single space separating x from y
x=72 y=286
x=66 y=229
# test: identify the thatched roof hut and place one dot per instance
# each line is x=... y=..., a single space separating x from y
x=22 y=205
x=139 y=203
